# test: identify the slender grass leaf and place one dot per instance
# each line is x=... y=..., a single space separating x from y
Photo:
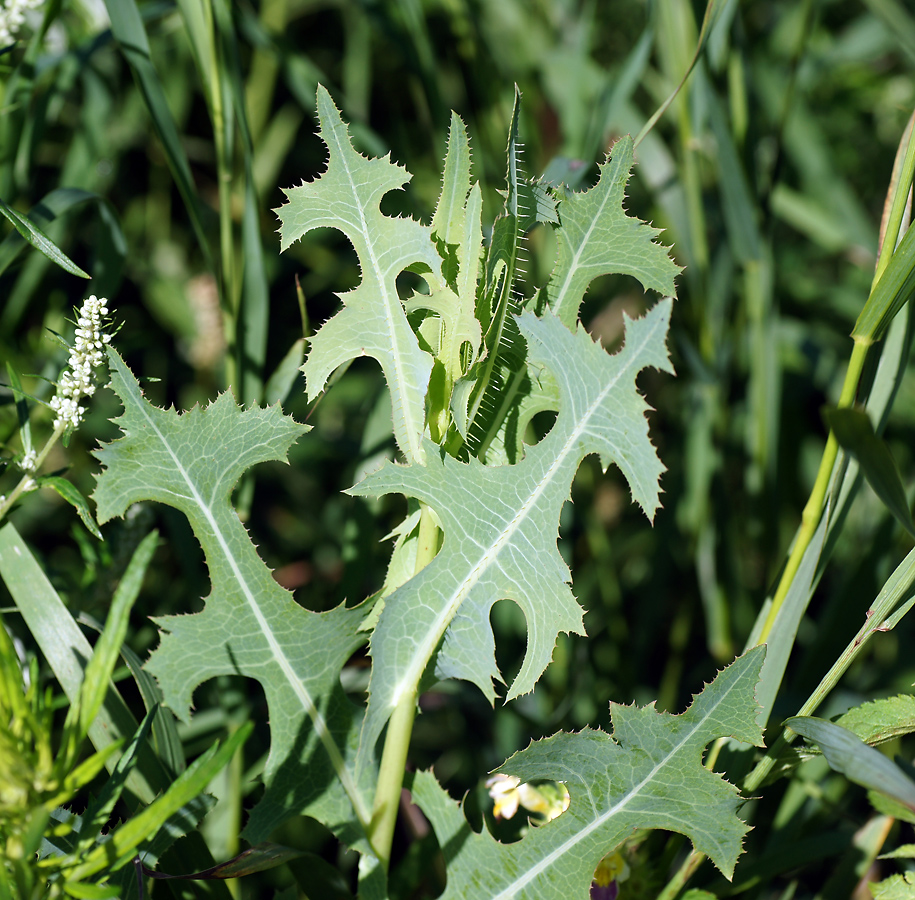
x=505 y=546
x=259 y=858
x=372 y=321
x=72 y=494
x=108 y=648
x=847 y=753
x=281 y=381
x=894 y=289
x=254 y=303
x=648 y=774
x=855 y=433
x=63 y=644
x=127 y=28
x=100 y=807
x=783 y=633
x=250 y=625
x=164 y=738
x=121 y=847
x=67 y=651
x=22 y=409
x=55 y=204
x=40 y=241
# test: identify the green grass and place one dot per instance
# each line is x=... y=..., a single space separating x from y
x=152 y=151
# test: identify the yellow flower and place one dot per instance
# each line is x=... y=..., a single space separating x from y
x=508 y=793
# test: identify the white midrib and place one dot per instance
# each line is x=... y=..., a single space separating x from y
x=426 y=648
x=553 y=856
x=557 y=304
x=399 y=399
x=279 y=655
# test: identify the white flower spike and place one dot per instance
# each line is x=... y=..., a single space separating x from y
x=87 y=354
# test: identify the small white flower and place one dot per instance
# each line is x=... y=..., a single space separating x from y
x=12 y=18
x=27 y=463
x=87 y=354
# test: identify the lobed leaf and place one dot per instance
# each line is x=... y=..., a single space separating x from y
x=648 y=774
x=250 y=624
x=881 y=720
x=501 y=523
x=372 y=321
x=598 y=238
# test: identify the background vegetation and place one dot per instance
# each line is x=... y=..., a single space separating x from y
x=768 y=174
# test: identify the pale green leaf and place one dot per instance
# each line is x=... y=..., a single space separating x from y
x=595 y=237
x=500 y=523
x=896 y=887
x=372 y=321
x=250 y=624
x=649 y=774
x=881 y=720
x=598 y=238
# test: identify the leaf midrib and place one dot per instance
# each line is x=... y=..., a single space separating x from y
x=399 y=399
x=279 y=655
x=427 y=645
x=513 y=889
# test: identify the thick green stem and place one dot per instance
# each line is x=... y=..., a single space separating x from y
x=390 y=777
x=400 y=727
x=813 y=511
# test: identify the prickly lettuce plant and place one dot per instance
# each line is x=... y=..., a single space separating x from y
x=469 y=359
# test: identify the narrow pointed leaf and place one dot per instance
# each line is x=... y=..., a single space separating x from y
x=72 y=494
x=372 y=321
x=847 y=753
x=855 y=433
x=40 y=241
x=894 y=289
x=250 y=624
x=501 y=523
x=648 y=774
x=121 y=847
x=259 y=858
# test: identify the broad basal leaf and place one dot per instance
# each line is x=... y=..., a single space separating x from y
x=250 y=625
x=372 y=321
x=500 y=523
x=598 y=238
x=649 y=774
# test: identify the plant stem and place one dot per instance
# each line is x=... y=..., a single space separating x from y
x=896 y=589
x=813 y=510
x=682 y=875
x=400 y=727
x=7 y=503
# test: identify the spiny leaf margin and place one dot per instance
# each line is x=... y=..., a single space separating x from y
x=501 y=523
x=249 y=625
x=372 y=321
x=648 y=774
